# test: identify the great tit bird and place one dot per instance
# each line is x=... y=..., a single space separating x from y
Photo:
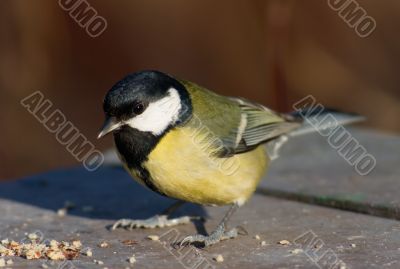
x=191 y=144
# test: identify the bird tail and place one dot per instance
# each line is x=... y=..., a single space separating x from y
x=313 y=119
x=318 y=119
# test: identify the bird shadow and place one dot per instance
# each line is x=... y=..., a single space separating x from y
x=107 y=193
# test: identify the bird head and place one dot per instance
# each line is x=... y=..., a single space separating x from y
x=148 y=101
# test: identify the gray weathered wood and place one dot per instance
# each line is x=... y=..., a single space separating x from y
x=310 y=170
x=30 y=204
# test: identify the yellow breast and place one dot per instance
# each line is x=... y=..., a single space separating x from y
x=182 y=168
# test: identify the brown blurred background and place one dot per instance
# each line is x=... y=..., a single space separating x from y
x=272 y=51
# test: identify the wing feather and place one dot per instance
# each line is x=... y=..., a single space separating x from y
x=263 y=125
x=236 y=124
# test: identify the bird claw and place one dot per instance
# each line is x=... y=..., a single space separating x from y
x=151 y=223
x=215 y=237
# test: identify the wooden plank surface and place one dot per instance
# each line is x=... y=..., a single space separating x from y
x=29 y=205
x=310 y=170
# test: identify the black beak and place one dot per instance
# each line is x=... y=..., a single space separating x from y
x=110 y=124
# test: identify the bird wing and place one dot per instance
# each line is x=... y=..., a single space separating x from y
x=259 y=124
x=233 y=125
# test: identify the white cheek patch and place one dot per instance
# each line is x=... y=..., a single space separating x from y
x=158 y=115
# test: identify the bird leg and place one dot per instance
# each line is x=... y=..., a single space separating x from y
x=217 y=235
x=158 y=221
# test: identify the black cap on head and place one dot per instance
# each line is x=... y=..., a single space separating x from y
x=133 y=93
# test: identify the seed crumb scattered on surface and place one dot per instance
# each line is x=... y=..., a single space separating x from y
x=132 y=259
x=129 y=242
x=153 y=237
x=257 y=237
x=88 y=252
x=33 y=236
x=104 y=244
x=296 y=251
x=355 y=237
x=62 y=212
x=263 y=243
x=98 y=262
x=9 y=262
x=77 y=243
x=33 y=250
x=353 y=245
x=44 y=266
x=218 y=258
x=284 y=242
x=342 y=266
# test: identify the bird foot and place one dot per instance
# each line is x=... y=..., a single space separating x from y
x=215 y=237
x=158 y=221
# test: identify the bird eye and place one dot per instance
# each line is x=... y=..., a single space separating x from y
x=138 y=108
